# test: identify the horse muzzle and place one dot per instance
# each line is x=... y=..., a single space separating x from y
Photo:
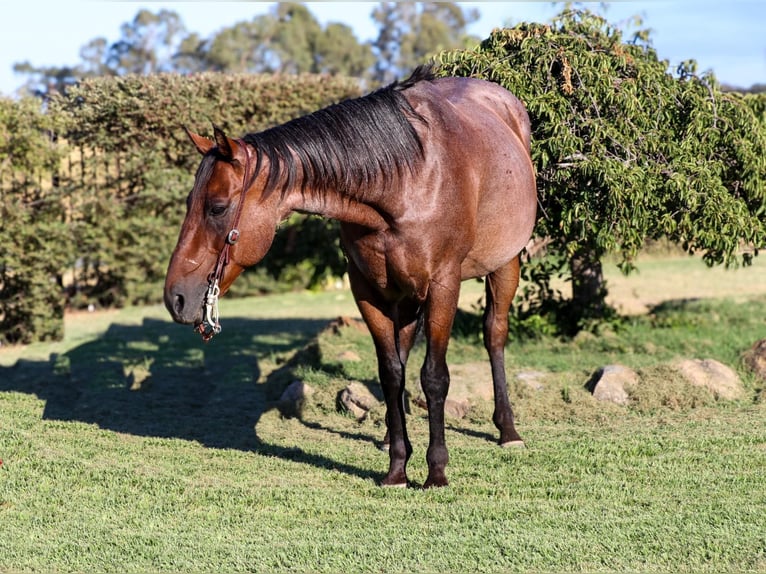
x=185 y=304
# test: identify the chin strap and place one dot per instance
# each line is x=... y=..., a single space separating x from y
x=210 y=325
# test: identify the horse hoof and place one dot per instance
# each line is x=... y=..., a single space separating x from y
x=395 y=480
x=436 y=483
x=513 y=444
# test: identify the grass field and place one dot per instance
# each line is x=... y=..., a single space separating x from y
x=132 y=447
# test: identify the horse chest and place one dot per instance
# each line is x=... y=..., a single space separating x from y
x=380 y=257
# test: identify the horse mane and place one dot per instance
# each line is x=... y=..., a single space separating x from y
x=350 y=146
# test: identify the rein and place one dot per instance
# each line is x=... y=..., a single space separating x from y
x=210 y=325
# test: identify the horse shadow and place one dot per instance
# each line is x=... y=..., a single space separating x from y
x=154 y=380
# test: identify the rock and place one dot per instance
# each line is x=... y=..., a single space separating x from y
x=755 y=359
x=357 y=399
x=349 y=356
x=719 y=379
x=457 y=409
x=471 y=381
x=294 y=398
x=609 y=383
x=531 y=379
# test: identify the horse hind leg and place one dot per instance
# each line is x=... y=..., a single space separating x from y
x=441 y=305
x=501 y=287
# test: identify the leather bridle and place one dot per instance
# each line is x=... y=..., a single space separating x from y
x=210 y=325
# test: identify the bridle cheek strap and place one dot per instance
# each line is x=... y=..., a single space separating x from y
x=210 y=325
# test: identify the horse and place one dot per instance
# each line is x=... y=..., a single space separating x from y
x=432 y=183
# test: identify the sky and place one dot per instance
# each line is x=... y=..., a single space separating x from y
x=727 y=37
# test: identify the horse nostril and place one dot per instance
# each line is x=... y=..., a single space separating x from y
x=178 y=304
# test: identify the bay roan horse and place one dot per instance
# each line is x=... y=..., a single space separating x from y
x=432 y=183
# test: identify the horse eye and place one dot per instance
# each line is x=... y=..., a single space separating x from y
x=217 y=210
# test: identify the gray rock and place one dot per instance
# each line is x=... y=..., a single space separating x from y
x=457 y=409
x=294 y=398
x=610 y=384
x=349 y=356
x=357 y=399
x=531 y=379
x=719 y=379
x=755 y=359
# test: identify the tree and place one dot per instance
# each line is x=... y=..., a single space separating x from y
x=338 y=52
x=147 y=45
x=33 y=224
x=625 y=151
x=287 y=39
x=295 y=37
x=44 y=81
x=411 y=32
x=244 y=47
x=190 y=57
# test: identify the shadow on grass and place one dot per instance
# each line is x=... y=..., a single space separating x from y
x=159 y=380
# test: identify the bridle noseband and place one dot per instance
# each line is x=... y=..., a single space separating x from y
x=210 y=325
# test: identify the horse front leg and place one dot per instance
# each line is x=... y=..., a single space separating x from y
x=441 y=306
x=501 y=287
x=393 y=331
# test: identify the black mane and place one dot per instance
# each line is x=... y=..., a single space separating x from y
x=349 y=146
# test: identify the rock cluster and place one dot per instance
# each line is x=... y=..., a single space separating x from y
x=614 y=383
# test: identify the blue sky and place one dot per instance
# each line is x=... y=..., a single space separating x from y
x=728 y=37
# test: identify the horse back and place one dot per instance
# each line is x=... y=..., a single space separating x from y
x=469 y=101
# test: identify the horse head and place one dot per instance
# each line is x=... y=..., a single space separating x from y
x=230 y=224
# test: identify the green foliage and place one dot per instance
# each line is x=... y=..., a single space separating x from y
x=411 y=32
x=307 y=243
x=626 y=151
x=287 y=39
x=94 y=215
x=32 y=226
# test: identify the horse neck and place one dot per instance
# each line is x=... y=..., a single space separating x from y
x=334 y=205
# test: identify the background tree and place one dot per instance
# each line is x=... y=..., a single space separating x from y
x=625 y=152
x=337 y=52
x=286 y=39
x=147 y=44
x=45 y=80
x=410 y=32
x=244 y=47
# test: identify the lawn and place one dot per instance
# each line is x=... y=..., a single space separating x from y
x=131 y=447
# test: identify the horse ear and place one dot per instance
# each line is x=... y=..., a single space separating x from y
x=224 y=143
x=202 y=144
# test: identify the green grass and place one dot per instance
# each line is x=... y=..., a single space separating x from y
x=193 y=470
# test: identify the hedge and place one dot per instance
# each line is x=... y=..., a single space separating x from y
x=93 y=187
